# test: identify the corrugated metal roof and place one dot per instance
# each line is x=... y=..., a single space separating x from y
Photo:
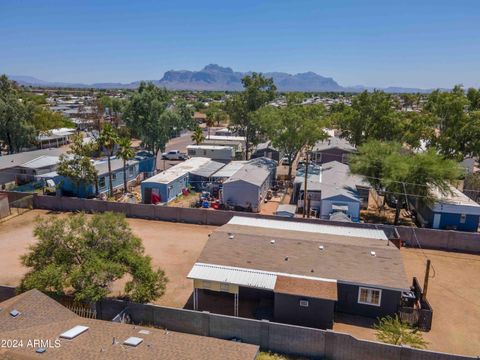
x=309 y=227
x=41 y=161
x=181 y=169
x=230 y=275
x=208 y=169
x=229 y=169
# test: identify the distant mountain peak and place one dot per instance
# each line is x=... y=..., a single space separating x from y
x=214 y=77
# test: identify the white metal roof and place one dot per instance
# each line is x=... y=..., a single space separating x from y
x=229 y=169
x=178 y=170
x=309 y=227
x=242 y=276
x=41 y=161
x=209 y=147
x=225 y=138
x=230 y=275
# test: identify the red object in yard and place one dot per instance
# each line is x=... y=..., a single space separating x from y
x=155 y=198
x=215 y=206
x=185 y=192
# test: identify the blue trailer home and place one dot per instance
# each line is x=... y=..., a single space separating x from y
x=451 y=211
x=102 y=185
x=146 y=163
x=168 y=184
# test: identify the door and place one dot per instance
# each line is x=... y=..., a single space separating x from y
x=436 y=221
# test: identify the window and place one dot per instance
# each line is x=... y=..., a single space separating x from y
x=463 y=218
x=304 y=303
x=130 y=170
x=101 y=182
x=369 y=296
x=204 y=152
x=114 y=176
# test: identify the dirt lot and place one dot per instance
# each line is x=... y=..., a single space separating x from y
x=454 y=294
x=174 y=247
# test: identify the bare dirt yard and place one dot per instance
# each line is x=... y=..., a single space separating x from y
x=173 y=246
x=453 y=293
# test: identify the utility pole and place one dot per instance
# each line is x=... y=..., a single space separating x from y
x=425 y=281
x=305 y=194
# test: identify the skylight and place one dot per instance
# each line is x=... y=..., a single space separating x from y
x=74 y=332
x=133 y=341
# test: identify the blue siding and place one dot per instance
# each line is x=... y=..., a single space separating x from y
x=88 y=190
x=167 y=192
x=452 y=221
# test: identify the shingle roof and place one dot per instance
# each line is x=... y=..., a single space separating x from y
x=306 y=287
x=43 y=318
x=343 y=258
x=255 y=171
x=332 y=143
x=335 y=179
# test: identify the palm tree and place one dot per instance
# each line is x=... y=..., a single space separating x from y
x=107 y=141
x=125 y=152
x=210 y=122
x=198 y=137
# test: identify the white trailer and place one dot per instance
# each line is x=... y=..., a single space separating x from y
x=214 y=152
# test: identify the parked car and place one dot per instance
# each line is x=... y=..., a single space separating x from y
x=284 y=161
x=174 y=155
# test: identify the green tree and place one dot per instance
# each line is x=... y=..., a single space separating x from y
x=77 y=164
x=473 y=96
x=290 y=127
x=125 y=152
x=197 y=136
x=241 y=107
x=85 y=255
x=107 y=143
x=45 y=120
x=448 y=110
x=392 y=330
x=150 y=117
x=16 y=128
x=403 y=173
x=371 y=116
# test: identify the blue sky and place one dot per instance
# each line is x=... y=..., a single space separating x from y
x=377 y=43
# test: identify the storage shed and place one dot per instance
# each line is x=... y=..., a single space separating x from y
x=168 y=184
x=248 y=186
x=451 y=211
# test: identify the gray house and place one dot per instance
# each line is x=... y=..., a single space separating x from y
x=332 y=188
x=248 y=186
x=267 y=150
x=332 y=149
x=298 y=273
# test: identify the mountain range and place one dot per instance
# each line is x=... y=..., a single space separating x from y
x=218 y=78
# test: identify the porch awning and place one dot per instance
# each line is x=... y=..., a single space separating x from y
x=236 y=276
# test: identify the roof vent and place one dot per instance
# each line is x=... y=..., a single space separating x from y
x=74 y=332
x=321 y=247
x=40 y=350
x=133 y=341
x=286 y=258
x=272 y=242
x=15 y=313
x=373 y=253
x=231 y=236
